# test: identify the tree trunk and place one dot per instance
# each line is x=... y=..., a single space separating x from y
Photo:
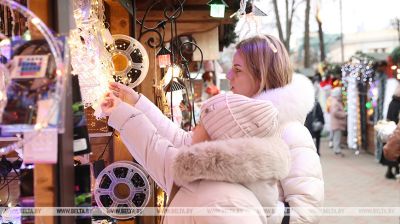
x=321 y=40
x=287 y=25
x=278 y=21
x=307 y=36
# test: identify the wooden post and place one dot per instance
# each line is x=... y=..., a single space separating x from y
x=53 y=185
x=44 y=176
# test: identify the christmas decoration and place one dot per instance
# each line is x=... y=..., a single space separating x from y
x=88 y=44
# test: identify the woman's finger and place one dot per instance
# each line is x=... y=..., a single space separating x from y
x=118 y=85
x=116 y=93
x=107 y=94
x=112 y=88
x=108 y=99
x=104 y=103
x=114 y=84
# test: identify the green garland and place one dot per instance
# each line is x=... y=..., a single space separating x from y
x=395 y=55
x=229 y=35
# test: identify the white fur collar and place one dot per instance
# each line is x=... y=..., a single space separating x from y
x=293 y=101
x=241 y=160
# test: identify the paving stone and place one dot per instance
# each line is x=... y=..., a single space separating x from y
x=357 y=181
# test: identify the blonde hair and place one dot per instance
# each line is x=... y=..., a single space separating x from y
x=267 y=60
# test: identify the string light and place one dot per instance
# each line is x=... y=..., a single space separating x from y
x=90 y=59
x=357 y=70
x=352 y=112
x=60 y=78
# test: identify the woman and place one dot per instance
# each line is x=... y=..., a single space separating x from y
x=392 y=147
x=238 y=169
x=393 y=115
x=338 y=119
x=262 y=70
x=315 y=123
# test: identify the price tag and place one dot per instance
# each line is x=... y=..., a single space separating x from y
x=44 y=111
x=30 y=66
x=41 y=148
x=80 y=145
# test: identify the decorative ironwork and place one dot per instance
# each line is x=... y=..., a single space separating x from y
x=176 y=47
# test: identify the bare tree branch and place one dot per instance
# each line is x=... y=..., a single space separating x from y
x=278 y=21
x=307 y=36
x=290 y=8
x=320 y=35
x=287 y=24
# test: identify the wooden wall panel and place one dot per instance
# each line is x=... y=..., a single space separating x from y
x=43 y=9
x=208 y=42
x=98 y=145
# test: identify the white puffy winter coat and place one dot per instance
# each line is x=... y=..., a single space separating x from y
x=304 y=187
x=236 y=173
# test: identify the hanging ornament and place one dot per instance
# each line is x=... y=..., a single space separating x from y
x=250 y=15
x=130 y=60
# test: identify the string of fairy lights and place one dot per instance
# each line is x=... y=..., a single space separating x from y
x=91 y=61
x=355 y=73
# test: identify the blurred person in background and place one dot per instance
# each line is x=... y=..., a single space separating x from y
x=338 y=119
x=392 y=147
x=209 y=87
x=392 y=115
x=315 y=123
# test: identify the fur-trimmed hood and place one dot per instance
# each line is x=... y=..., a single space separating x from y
x=293 y=101
x=242 y=160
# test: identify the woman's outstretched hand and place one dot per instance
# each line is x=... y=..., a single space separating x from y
x=125 y=93
x=109 y=103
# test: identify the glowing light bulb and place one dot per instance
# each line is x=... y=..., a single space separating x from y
x=35 y=21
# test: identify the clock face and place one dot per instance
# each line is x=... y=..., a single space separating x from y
x=130 y=60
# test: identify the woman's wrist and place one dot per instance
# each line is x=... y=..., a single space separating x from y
x=136 y=98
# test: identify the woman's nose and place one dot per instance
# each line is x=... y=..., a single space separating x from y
x=229 y=76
